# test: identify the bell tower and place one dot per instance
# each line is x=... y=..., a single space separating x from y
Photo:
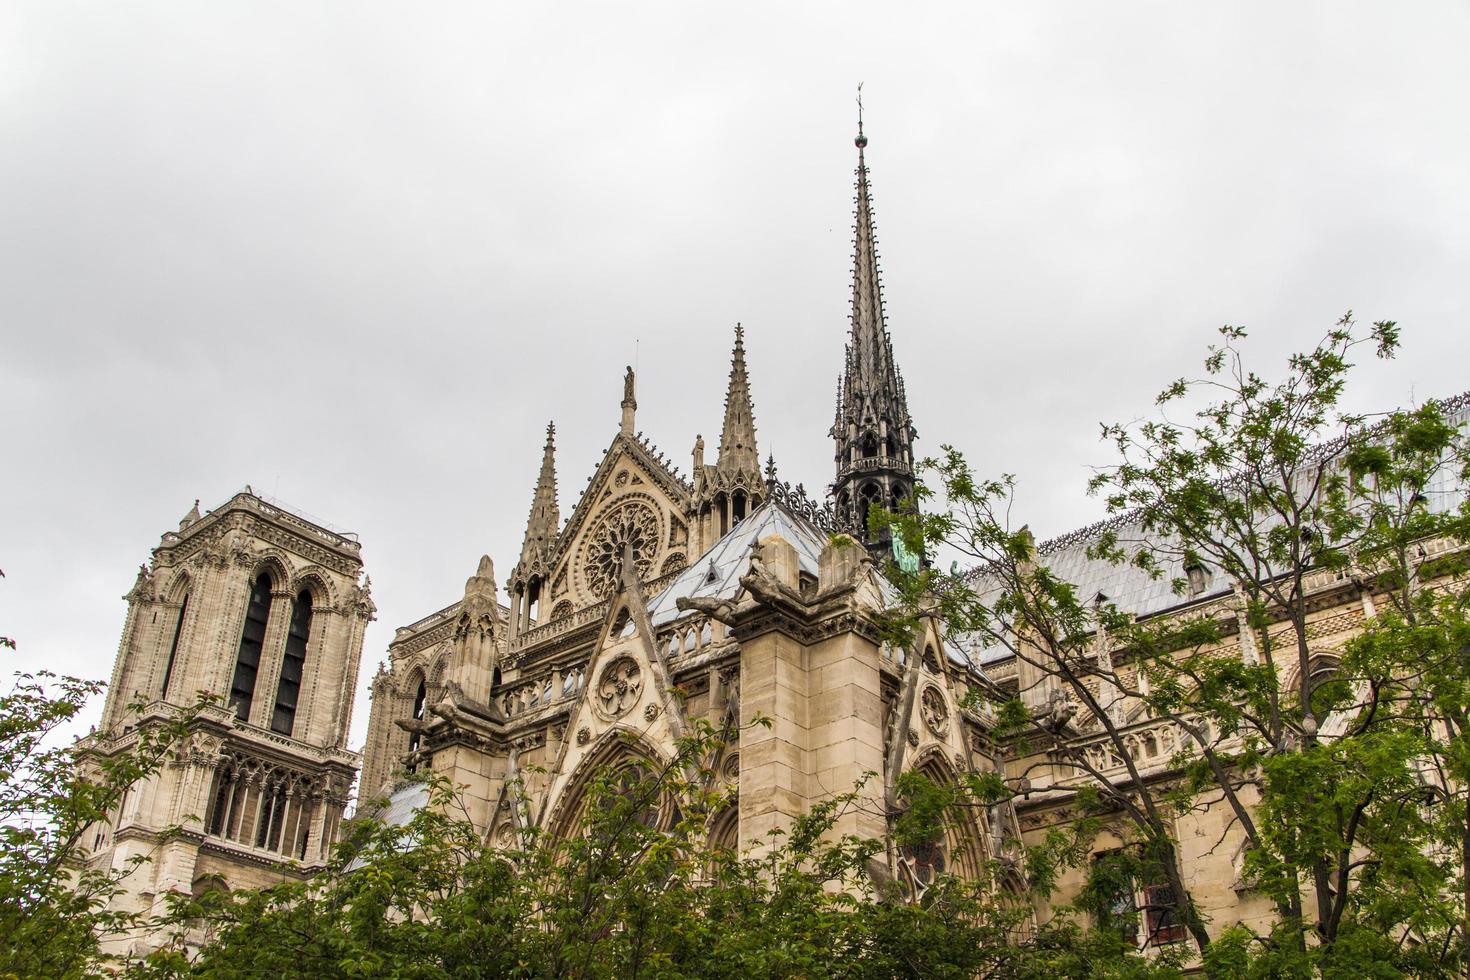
x=873 y=432
x=264 y=612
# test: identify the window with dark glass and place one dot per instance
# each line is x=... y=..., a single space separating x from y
x=224 y=787
x=252 y=638
x=283 y=718
x=420 y=700
x=173 y=649
x=1163 y=915
x=1116 y=885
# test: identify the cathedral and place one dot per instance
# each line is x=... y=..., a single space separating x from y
x=656 y=603
x=661 y=601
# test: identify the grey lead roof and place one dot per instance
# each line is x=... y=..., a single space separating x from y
x=716 y=574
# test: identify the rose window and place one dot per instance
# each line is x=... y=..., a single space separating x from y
x=632 y=526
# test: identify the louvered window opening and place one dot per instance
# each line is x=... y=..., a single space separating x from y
x=293 y=666
x=173 y=650
x=252 y=639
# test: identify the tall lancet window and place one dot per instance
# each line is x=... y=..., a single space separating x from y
x=173 y=649
x=283 y=719
x=252 y=638
x=420 y=701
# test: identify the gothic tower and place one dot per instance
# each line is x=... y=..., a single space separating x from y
x=264 y=612
x=724 y=493
x=873 y=431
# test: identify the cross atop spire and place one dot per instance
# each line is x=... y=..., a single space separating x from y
x=545 y=517
x=737 y=439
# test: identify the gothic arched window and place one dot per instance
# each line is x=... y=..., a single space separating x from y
x=869 y=495
x=720 y=503
x=288 y=690
x=420 y=700
x=173 y=650
x=252 y=637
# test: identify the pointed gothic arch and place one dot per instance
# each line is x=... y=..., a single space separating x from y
x=616 y=748
x=438 y=672
x=315 y=581
x=177 y=595
x=961 y=849
x=274 y=565
x=180 y=584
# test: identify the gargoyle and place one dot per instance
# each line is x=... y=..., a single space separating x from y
x=720 y=610
x=446 y=710
x=1056 y=715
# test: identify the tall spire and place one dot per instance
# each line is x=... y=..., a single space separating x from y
x=873 y=431
x=545 y=517
x=872 y=385
x=737 y=440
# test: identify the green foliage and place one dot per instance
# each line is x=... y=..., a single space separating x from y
x=1345 y=771
x=627 y=895
x=54 y=906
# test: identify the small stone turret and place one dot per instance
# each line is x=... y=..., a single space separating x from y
x=529 y=575
x=475 y=633
x=733 y=486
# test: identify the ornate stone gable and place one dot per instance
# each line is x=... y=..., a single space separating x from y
x=632 y=500
x=628 y=700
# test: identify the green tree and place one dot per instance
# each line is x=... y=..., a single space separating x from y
x=54 y=906
x=1335 y=772
x=625 y=895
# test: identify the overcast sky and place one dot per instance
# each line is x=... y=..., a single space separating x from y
x=356 y=255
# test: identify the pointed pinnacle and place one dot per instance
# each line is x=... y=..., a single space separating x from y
x=737 y=439
x=545 y=518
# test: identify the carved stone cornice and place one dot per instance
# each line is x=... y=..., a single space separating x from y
x=266 y=523
x=765 y=619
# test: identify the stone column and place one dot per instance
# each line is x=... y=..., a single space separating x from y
x=773 y=763
x=272 y=653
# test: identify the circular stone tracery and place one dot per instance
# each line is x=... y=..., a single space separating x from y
x=619 y=687
x=935 y=711
x=633 y=525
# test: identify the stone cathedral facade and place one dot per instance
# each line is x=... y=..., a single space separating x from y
x=658 y=600
x=662 y=600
